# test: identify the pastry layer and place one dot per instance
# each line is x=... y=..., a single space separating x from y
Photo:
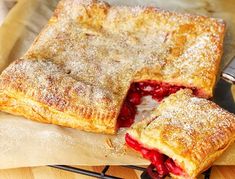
x=87 y=56
x=190 y=130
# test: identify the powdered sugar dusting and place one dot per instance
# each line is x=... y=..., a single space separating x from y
x=120 y=43
x=91 y=52
x=188 y=123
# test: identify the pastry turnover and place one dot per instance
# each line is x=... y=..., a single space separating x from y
x=185 y=135
x=78 y=70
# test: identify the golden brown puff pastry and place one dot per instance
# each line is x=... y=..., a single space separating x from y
x=80 y=67
x=190 y=132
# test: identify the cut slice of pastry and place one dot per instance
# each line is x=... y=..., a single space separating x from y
x=79 y=69
x=185 y=135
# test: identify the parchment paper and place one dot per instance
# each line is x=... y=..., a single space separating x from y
x=28 y=143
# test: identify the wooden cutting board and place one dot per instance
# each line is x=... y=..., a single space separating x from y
x=218 y=172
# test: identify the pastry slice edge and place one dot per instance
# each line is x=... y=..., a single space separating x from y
x=186 y=135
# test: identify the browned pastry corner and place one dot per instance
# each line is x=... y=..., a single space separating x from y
x=78 y=70
x=191 y=132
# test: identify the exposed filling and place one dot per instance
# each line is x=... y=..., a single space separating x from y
x=137 y=90
x=163 y=164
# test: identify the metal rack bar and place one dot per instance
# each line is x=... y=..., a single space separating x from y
x=228 y=72
x=85 y=172
x=104 y=170
x=102 y=175
x=207 y=173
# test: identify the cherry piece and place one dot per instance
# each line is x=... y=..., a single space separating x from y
x=158 y=160
x=135 y=98
x=161 y=162
x=137 y=90
x=173 y=89
x=161 y=92
x=125 y=111
x=146 y=153
x=161 y=168
x=146 y=88
x=132 y=143
x=125 y=122
x=172 y=167
x=153 y=173
x=134 y=88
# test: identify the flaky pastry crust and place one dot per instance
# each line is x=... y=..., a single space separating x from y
x=192 y=131
x=80 y=67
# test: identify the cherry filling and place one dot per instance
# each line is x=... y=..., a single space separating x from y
x=163 y=164
x=137 y=90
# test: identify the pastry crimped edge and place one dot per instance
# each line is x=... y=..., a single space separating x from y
x=192 y=166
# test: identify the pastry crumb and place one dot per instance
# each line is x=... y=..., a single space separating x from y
x=109 y=143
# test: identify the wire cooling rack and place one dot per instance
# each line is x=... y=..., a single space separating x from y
x=102 y=174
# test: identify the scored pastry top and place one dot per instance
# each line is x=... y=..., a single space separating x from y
x=89 y=53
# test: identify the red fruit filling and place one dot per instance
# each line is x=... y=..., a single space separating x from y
x=137 y=90
x=163 y=164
